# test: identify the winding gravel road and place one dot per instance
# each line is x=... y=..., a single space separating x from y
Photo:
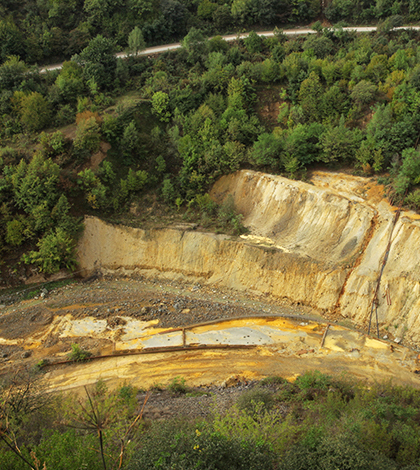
x=232 y=37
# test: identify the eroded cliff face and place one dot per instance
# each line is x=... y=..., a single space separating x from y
x=320 y=244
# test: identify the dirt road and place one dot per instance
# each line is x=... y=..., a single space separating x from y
x=231 y=37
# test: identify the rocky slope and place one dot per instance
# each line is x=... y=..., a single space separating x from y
x=320 y=244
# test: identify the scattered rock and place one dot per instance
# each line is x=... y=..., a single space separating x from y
x=26 y=354
x=115 y=322
x=304 y=351
x=397 y=340
x=385 y=337
x=186 y=310
x=231 y=381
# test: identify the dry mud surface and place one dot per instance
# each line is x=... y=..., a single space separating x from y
x=120 y=318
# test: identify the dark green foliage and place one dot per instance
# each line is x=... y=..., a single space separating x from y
x=195 y=43
x=12 y=73
x=78 y=354
x=364 y=92
x=320 y=45
x=34 y=110
x=340 y=143
x=267 y=151
x=98 y=61
x=409 y=173
x=303 y=143
x=56 y=251
x=253 y=43
x=333 y=453
x=177 y=445
x=11 y=39
x=70 y=81
x=34 y=183
x=250 y=400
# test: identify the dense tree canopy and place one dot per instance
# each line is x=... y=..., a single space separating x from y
x=42 y=31
x=191 y=115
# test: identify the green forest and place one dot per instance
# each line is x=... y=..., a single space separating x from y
x=44 y=31
x=171 y=124
x=318 y=422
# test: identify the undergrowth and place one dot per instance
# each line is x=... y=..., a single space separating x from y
x=317 y=422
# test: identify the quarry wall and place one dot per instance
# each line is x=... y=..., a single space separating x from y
x=313 y=243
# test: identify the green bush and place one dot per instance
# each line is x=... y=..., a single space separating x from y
x=78 y=354
x=332 y=453
x=273 y=380
x=177 y=445
x=56 y=251
x=15 y=232
x=177 y=386
x=249 y=400
x=313 y=379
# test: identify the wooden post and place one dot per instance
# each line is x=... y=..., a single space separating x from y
x=324 y=335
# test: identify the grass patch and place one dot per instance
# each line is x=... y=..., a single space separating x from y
x=178 y=386
x=27 y=293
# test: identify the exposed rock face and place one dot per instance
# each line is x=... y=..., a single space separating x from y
x=215 y=259
x=321 y=247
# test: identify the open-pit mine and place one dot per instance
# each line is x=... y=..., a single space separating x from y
x=326 y=278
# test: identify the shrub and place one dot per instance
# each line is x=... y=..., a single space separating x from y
x=228 y=219
x=248 y=401
x=178 y=385
x=177 y=445
x=34 y=110
x=313 y=379
x=78 y=354
x=338 y=452
x=168 y=191
x=15 y=232
x=272 y=380
x=56 y=251
x=88 y=137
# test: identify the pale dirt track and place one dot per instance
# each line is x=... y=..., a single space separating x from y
x=232 y=37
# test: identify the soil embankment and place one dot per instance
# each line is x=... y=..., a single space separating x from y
x=320 y=244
